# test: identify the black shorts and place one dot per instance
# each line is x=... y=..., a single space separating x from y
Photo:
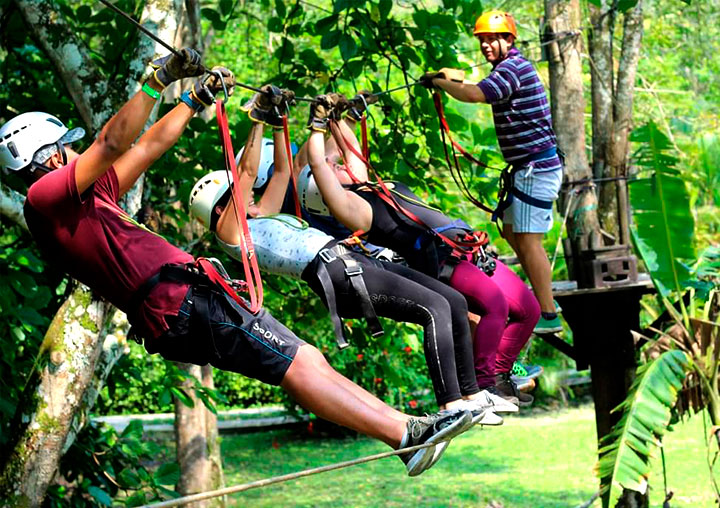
x=257 y=346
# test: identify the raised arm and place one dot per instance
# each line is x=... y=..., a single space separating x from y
x=465 y=92
x=347 y=136
x=165 y=133
x=249 y=162
x=349 y=208
x=121 y=130
x=227 y=228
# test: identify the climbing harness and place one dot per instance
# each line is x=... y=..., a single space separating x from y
x=468 y=245
x=354 y=273
x=508 y=191
x=204 y=275
x=454 y=166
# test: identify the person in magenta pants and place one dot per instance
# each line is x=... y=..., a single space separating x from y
x=508 y=309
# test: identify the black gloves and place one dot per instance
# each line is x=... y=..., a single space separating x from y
x=269 y=106
x=427 y=79
x=205 y=89
x=173 y=67
x=324 y=108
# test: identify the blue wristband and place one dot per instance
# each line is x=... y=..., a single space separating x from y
x=194 y=105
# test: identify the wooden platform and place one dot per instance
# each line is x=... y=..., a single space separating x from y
x=601 y=320
x=569 y=287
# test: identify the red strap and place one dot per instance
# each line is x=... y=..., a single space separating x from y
x=384 y=193
x=288 y=151
x=437 y=100
x=249 y=260
x=454 y=166
x=364 y=135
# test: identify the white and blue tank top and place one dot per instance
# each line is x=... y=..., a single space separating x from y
x=284 y=244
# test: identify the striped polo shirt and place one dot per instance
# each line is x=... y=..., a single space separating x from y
x=520 y=108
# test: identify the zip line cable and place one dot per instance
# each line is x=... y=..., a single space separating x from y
x=177 y=53
x=284 y=478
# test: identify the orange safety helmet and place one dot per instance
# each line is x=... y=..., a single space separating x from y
x=495 y=22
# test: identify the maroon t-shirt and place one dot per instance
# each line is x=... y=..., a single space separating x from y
x=92 y=239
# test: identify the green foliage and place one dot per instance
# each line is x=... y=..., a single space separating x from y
x=664 y=227
x=103 y=464
x=29 y=296
x=625 y=453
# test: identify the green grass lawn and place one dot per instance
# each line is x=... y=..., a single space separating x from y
x=542 y=460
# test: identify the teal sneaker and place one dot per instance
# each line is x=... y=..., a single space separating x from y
x=548 y=325
x=520 y=370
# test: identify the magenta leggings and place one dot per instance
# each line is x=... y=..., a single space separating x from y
x=508 y=311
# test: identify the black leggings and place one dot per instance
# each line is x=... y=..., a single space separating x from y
x=403 y=294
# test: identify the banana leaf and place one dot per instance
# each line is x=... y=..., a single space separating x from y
x=663 y=227
x=625 y=453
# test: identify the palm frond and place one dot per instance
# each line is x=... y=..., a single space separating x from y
x=625 y=453
x=663 y=224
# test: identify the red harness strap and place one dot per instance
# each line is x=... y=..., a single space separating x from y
x=249 y=260
x=471 y=243
x=454 y=166
x=364 y=135
x=288 y=151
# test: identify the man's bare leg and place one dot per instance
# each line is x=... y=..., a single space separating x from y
x=536 y=264
x=319 y=388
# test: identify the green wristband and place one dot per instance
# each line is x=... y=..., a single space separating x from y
x=151 y=91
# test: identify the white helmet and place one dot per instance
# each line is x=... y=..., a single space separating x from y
x=267 y=161
x=211 y=190
x=309 y=193
x=24 y=135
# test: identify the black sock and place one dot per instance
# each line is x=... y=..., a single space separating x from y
x=549 y=316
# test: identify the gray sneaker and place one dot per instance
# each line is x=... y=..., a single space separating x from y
x=434 y=428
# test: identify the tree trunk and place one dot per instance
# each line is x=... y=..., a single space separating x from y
x=612 y=111
x=11 y=205
x=613 y=195
x=578 y=200
x=56 y=400
x=217 y=478
x=197 y=440
x=86 y=85
x=601 y=72
x=43 y=420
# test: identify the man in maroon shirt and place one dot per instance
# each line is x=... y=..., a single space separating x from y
x=72 y=213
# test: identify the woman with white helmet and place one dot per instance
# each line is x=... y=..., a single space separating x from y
x=350 y=284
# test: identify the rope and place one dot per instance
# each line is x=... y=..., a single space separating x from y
x=563 y=226
x=284 y=478
x=593 y=180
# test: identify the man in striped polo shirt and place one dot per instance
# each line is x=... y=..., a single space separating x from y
x=524 y=129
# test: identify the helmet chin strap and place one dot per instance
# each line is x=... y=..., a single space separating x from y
x=63 y=153
x=35 y=166
x=503 y=52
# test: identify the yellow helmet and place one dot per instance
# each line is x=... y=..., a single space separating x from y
x=495 y=22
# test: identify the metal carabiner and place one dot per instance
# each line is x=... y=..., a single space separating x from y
x=222 y=82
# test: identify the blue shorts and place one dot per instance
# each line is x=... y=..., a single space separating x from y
x=540 y=179
x=255 y=345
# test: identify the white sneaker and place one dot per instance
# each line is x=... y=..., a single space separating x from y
x=494 y=402
x=482 y=414
x=491 y=419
